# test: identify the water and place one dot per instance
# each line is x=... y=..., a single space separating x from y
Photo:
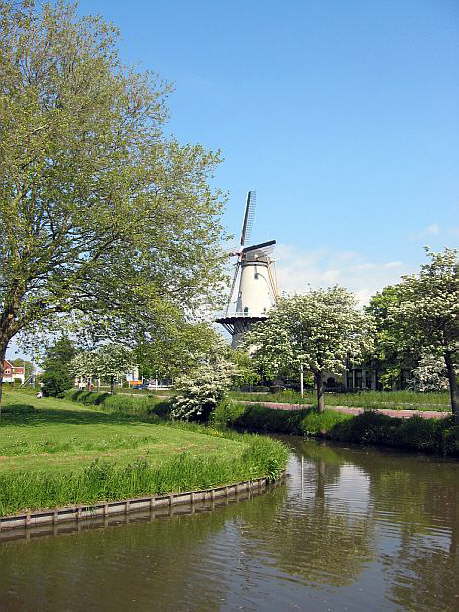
x=352 y=529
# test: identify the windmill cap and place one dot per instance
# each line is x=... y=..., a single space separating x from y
x=256 y=247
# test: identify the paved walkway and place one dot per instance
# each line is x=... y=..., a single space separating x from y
x=399 y=414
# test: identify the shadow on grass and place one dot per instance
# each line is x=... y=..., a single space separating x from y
x=43 y=416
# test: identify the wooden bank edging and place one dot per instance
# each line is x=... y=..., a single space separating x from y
x=106 y=509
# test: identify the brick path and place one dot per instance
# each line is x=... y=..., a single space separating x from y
x=399 y=414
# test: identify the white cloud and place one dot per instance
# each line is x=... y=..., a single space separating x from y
x=430 y=230
x=433 y=229
x=297 y=269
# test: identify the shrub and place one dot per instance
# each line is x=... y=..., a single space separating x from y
x=415 y=433
x=89 y=398
x=200 y=392
x=226 y=413
x=268 y=420
x=123 y=404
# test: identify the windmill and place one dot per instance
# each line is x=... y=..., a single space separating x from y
x=254 y=269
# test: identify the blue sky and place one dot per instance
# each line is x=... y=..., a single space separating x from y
x=343 y=116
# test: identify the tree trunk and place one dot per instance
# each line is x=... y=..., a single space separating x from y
x=318 y=377
x=3 y=347
x=301 y=381
x=452 y=386
x=112 y=384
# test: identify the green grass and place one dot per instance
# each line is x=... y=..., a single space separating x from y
x=395 y=400
x=55 y=452
x=61 y=434
x=105 y=481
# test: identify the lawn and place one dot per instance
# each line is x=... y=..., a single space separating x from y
x=62 y=434
x=56 y=452
x=395 y=400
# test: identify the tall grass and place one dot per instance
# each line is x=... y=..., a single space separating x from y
x=395 y=400
x=101 y=481
x=120 y=403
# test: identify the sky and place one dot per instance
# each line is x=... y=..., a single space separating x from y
x=342 y=116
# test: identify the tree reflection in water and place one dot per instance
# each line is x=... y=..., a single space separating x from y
x=363 y=529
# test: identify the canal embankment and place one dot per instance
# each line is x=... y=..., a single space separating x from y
x=54 y=453
x=417 y=429
x=359 y=426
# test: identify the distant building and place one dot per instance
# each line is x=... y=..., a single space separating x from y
x=12 y=372
x=133 y=377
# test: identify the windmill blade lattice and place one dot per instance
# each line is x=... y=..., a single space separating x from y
x=248 y=217
x=238 y=263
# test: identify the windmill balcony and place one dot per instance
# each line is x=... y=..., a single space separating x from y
x=242 y=314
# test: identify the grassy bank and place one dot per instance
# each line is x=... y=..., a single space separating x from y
x=57 y=452
x=426 y=435
x=395 y=400
x=145 y=404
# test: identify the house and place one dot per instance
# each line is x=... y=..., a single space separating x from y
x=12 y=372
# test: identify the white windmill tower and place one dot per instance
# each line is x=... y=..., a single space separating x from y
x=257 y=281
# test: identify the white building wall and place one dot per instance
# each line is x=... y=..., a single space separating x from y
x=255 y=294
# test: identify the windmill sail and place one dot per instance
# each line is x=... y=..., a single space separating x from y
x=233 y=286
x=248 y=217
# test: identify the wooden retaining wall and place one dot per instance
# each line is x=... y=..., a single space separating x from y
x=104 y=510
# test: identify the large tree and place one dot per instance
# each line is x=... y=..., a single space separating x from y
x=175 y=348
x=104 y=218
x=318 y=331
x=426 y=313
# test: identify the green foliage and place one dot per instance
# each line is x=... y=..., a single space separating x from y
x=107 y=481
x=89 y=398
x=416 y=433
x=107 y=223
x=389 y=356
x=57 y=376
x=176 y=348
x=56 y=380
x=427 y=435
x=62 y=351
x=226 y=413
x=319 y=423
x=267 y=420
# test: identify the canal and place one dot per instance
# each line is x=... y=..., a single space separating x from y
x=352 y=529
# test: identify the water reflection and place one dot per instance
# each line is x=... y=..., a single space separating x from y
x=352 y=529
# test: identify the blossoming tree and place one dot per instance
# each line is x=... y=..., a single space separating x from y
x=427 y=312
x=108 y=361
x=318 y=331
